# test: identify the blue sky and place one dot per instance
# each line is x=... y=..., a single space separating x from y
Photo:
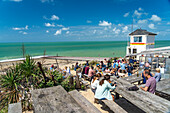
x=81 y=20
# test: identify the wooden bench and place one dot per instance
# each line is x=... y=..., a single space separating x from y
x=114 y=106
x=54 y=100
x=83 y=102
x=146 y=101
x=15 y=108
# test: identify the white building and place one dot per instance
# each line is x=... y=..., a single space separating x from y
x=140 y=40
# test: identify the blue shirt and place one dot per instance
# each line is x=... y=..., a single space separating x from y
x=115 y=65
x=104 y=91
x=157 y=77
x=123 y=66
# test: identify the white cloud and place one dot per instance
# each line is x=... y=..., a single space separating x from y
x=126 y=14
x=65 y=29
x=58 y=32
x=24 y=33
x=151 y=26
x=105 y=28
x=60 y=25
x=125 y=29
x=120 y=25
x=94 y=32
x=88 y=21
x=67 y=32
x=138 y=14
x=54 y=17
x=140 y=9
x=142 y=21
x=13 y=0
x=168 y=23
x=104 y=23
x=49 y=25
x=43 y=1
x=47 y=31
x=21 y=28
x=116 y=31
x=155 y=18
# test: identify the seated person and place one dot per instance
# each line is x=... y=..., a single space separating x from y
x=95 y=82
x=122 y=68
x=157 y=75
x=102 y=68
x=52 y=68
x=150 y=83
x=115 y=65
x=107 y=70
x=103 y=89
x=76 y=66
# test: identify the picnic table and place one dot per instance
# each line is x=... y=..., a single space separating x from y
x=132 y=79
x=146 y=101
x=54 y=100
x=163 y=86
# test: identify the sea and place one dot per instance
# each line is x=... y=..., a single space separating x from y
x=80 y=49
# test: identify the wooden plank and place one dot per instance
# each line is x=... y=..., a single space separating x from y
x=83 y=102
x=163 y=86
x=144 y=100
x=133 y=79
x=114 y=106
x=54 y=100
x=15 y=108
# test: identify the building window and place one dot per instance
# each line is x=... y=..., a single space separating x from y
x=138 y=39
x=134 y=50
x=129 y=50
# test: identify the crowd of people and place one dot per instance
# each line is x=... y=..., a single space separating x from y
x=100 y=73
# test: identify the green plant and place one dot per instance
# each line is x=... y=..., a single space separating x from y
x=93 y=62
x=10 y=85
x=28 y=67
x=65 y=84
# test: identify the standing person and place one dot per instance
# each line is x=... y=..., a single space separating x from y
x=103 y=89
x=91 y=73
x=150 y=83
x=86 y=70
x=129 y=69
x=76 y=66
x=87 y=63
x=157 y=75
x=95 y=82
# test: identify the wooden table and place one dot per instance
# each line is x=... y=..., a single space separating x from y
x=132 y=79
x=163 y=86
x=146 y=101
x=54 y=100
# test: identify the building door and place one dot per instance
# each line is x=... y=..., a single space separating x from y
x=134 y=50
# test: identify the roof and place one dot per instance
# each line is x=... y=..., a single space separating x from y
x=141 y=32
